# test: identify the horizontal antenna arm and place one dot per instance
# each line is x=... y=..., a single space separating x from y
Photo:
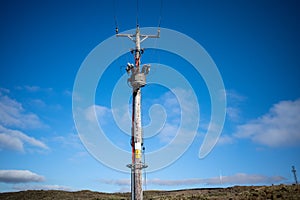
x=130 y=36
x=143 y=37
x=151 y=36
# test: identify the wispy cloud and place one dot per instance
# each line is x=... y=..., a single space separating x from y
x=34 y=88
x=41 y=187
x=172 y=103
x=169 y=107
x=234 y=100
x=97 y=113
x=15 y=140
x=43 y=106
x=4 y=90
x=233 y=113
x=19 y=176
x=176 y=108
x=13 y=120
x=279 y=127
x=70 y=140
x=119 y=182
x=123 y=184
x=124 y=189
x=234 y=97
x=168 y=133
x=225 y=139
x=13 y=114
x=68 y=93
x=239 y=178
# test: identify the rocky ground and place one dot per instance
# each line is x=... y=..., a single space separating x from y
x=291 y=192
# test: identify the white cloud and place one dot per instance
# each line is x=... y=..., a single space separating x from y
x=13 y=114
x=19 y=176
x=279 y=127
x=14 y=140
x=12 y=117
x=11 y=143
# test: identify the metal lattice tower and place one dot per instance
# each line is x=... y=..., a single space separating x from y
x=295 y=175
x=137 y=80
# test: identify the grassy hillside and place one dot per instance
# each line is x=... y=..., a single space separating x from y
x=290 y=192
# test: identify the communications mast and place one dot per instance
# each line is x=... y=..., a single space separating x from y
x=137 y=80
x=295 y=176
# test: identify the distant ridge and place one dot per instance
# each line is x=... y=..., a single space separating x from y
x=235 y=193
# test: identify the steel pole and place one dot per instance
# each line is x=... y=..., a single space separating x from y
x=137 y=131
x=137 y=80
x=137 y=126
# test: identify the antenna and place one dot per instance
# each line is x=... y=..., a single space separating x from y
x=295 y=176
x=221 y=177
x=137 y=80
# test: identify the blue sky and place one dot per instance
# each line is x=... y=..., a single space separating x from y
x=254 y=44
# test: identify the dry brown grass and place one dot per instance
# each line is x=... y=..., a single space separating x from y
x=276 y=192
